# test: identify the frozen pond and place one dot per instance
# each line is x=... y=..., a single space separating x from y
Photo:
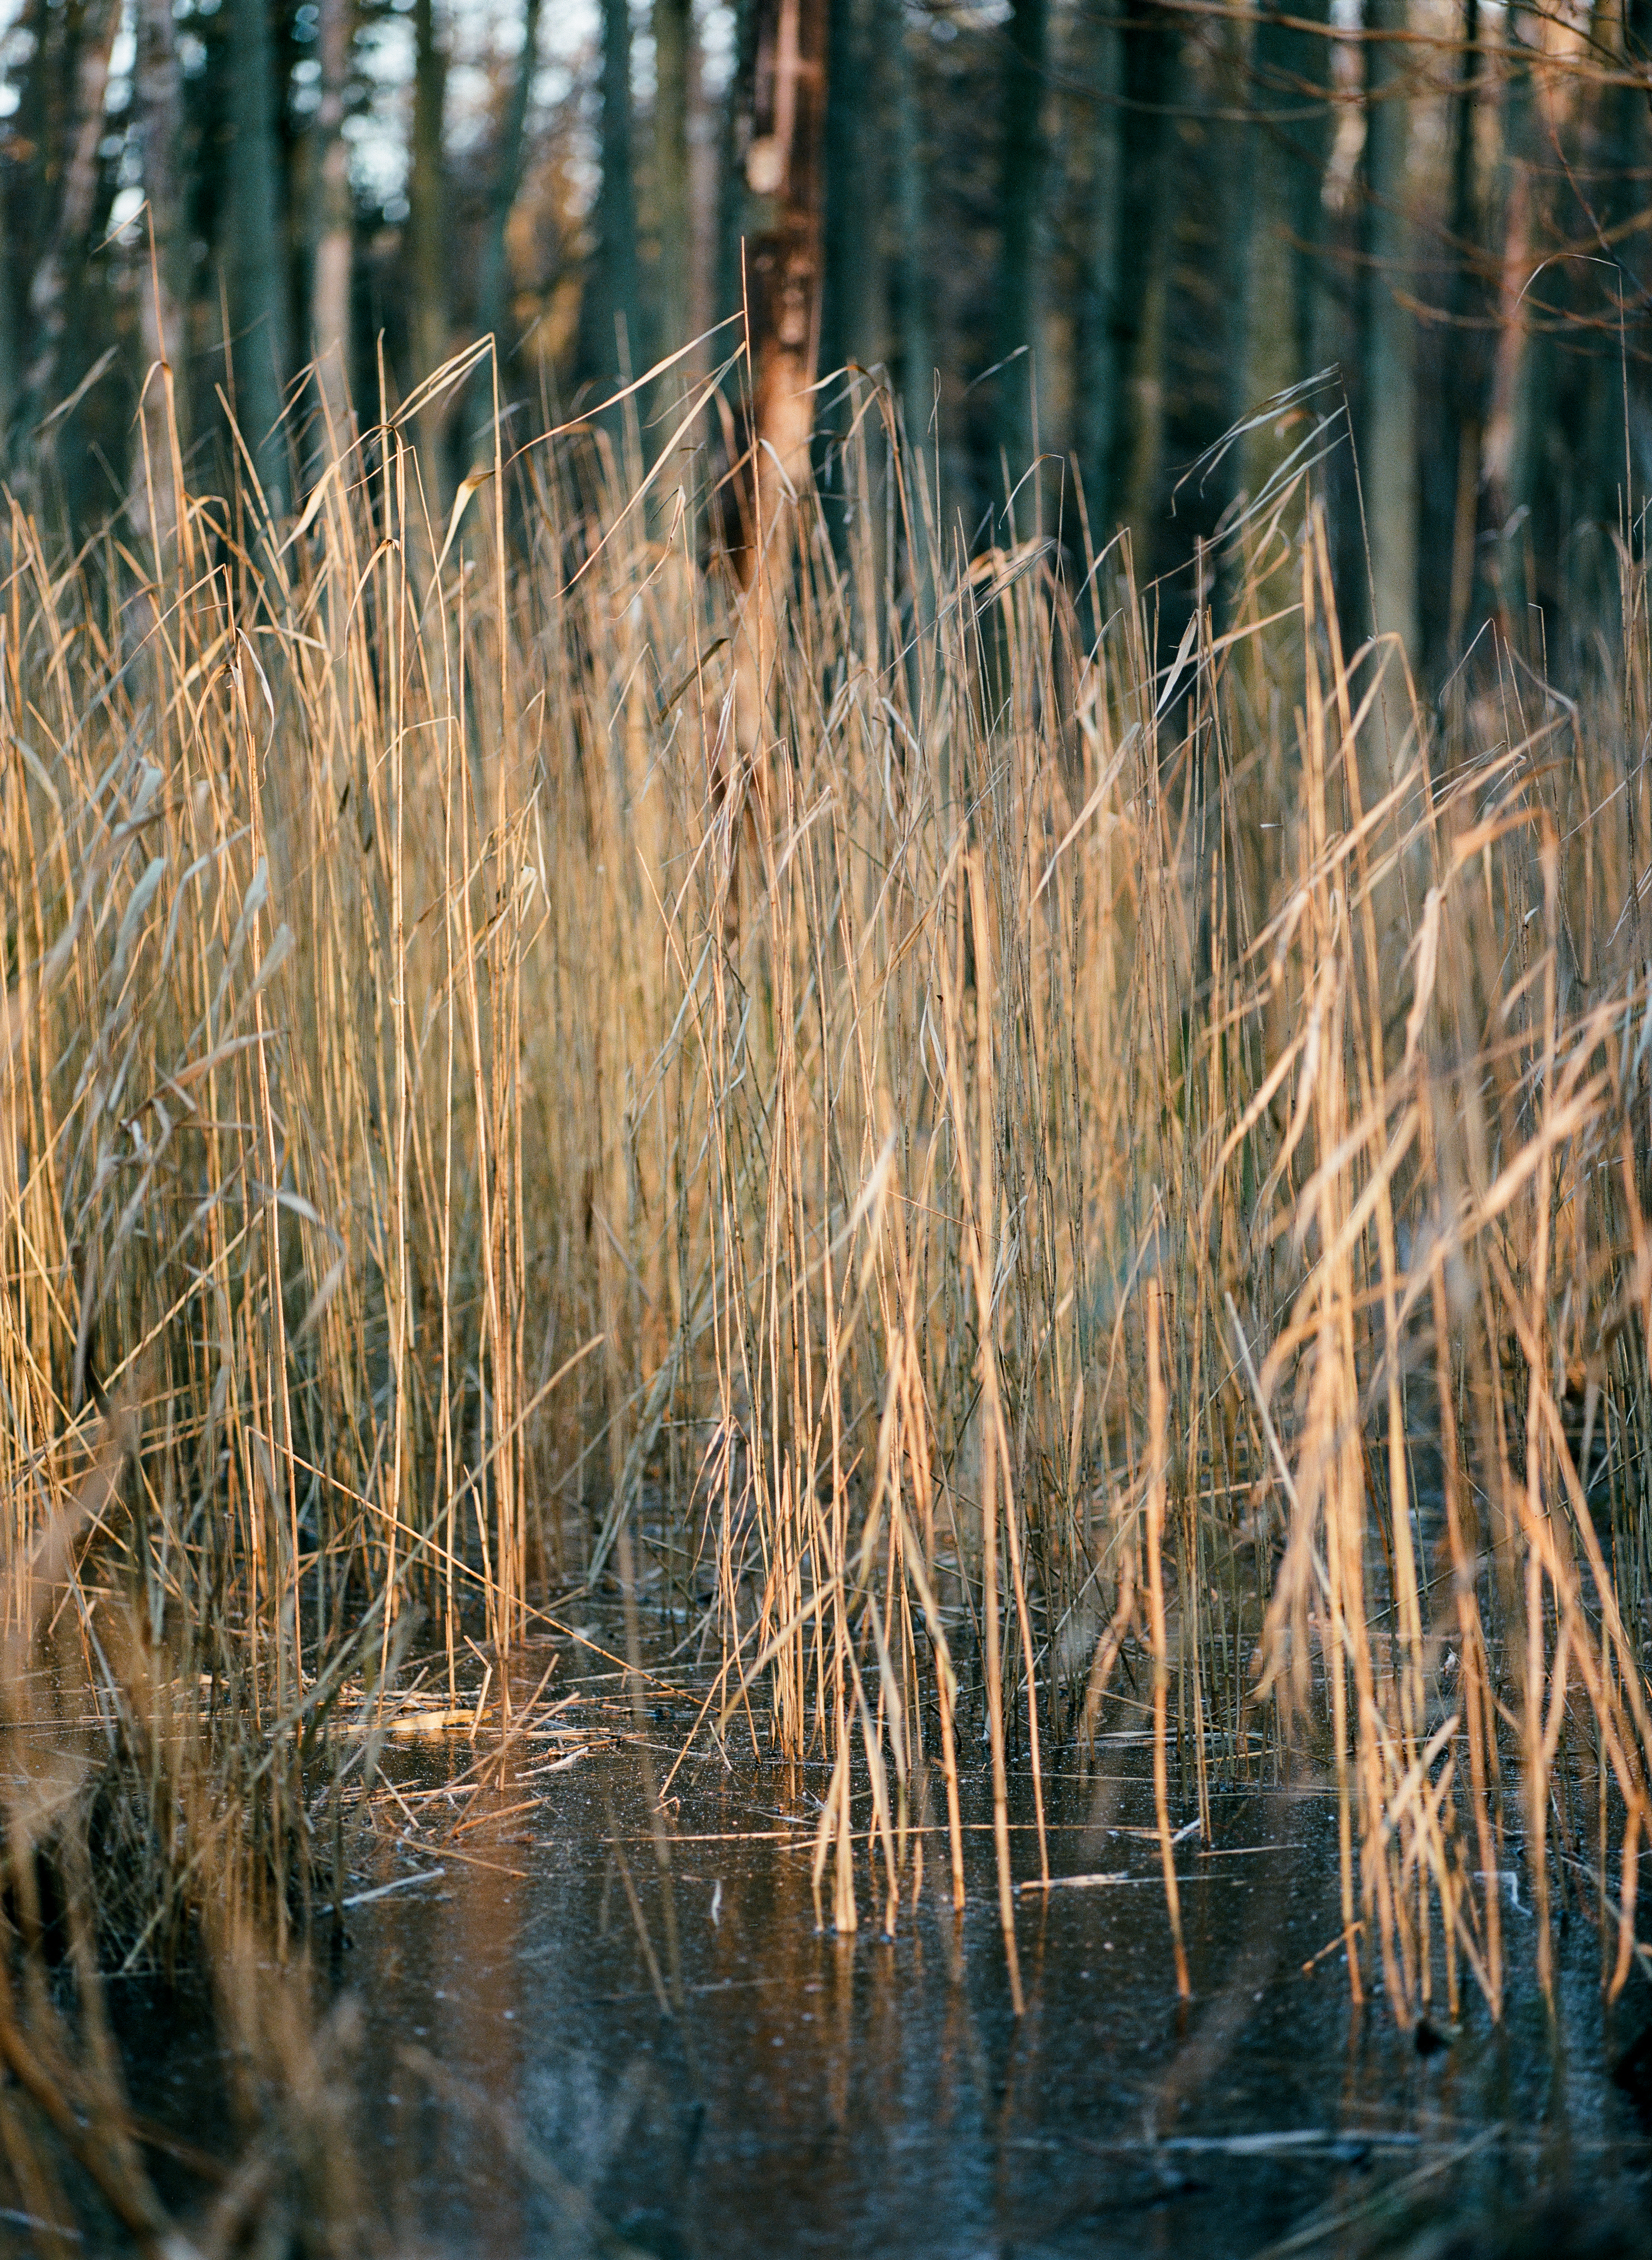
x=575 y=2042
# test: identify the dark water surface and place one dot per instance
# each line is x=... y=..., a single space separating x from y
x=525 y=2094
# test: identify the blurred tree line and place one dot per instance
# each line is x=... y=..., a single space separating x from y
x=1098 y=233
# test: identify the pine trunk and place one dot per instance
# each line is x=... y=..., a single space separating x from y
x=52 y=288
x=1519 y=425
x=1281 y=318
x=673 y=47
x=610 y=322
x=429 y=248
x=1021 y=212
x=10 y=373
x=1096 y=374
x=1464 y=403
x=785 y=184
x=782 y=130
x=335 y=235
x=857 y=138
x=915 y=345
x=157 y=470
x=1388 y=453
x=1611 y=298
x=493 y=293
x=1152 y=41
x=258 y=276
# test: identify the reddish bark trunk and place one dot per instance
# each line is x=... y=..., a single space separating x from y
x=785 y=176
x=782 y=138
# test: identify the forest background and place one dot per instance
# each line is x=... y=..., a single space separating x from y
x=1097 y=234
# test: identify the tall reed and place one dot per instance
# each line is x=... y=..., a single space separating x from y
x=1035 y=1153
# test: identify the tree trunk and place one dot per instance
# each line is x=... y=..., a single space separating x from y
x=1021 y=213
x=335 y=236
x=1152 y=42
x=844 y=223
x=673 y=48
x=781 y=131
x=493 y=295
x=914 y=338
x=1388 y=453
x=1465 y=203
x=157 y=472
x=9 y=371
x=1095 y=341
x=39 y=127
x=258 y=264
x=1465 y=405
x=729 y=284
x=705 y=139
x=610 y=314
x=784 y=178
x=856 y=142
x=673 y=196
x=429 y=250
x=51 y=290
x=1285 y=154
x=1612 y=295
x=1520 y=426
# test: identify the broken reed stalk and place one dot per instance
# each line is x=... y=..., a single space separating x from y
x=982 y=1239
x=1157 y=1447
x=374 y=1034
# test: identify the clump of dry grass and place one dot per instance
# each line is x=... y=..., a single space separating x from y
x=1029 y=1155
x=1198 y=1126
x=124 y=1805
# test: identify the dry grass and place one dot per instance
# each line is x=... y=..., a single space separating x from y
x=1058 y=1160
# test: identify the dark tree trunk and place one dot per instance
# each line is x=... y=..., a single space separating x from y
x=51 y=290
x=609 y=312
x=856 y=139
x=1284 y=154
x=258 y=261
x=335 y=232
x=673 y=48
x=915 y=346
x=10 y=373
x=1147 y=218
x=1522 y=467
x=1387 y=405
x=781 y=136
x=1021 y=213
x=1614 y=300
x=493 y=283
x=155 y=472
x=729 y=281
x=429 y=250
x=1096 y=341
x=783 y=141
x=1451 y=499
